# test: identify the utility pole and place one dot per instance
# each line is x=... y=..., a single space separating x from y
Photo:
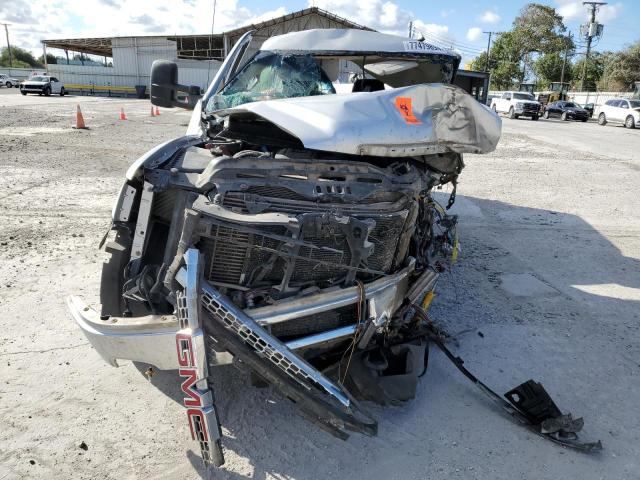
x=6 y=31
x=566 y=54
x=486 y=63
x=410 y=29
x=590 y=30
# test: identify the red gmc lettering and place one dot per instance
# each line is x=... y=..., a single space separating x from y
x=188 y=387
x=184 y=347
x=192 y=400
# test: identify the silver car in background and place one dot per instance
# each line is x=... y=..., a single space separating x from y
x=620 y=110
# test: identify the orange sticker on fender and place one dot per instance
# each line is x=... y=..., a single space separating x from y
x=403 y=104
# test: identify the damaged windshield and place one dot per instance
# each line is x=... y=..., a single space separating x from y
x=270 y=76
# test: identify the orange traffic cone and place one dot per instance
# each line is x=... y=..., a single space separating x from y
x=80 y=120
x=122 y=115
x=157 y=112
x=152 y=114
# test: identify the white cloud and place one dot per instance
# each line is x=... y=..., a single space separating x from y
x=432 y=28
x=607 y=13
x=575 y=10
x=474 y=34
x=570 y=10
x=95 y=18
x=382 y=15
x=489 y=17
x=447 y=13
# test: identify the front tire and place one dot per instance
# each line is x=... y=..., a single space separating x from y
x=23 y=93
x=62 y=92
x=8 y=84
x=602 y=119
x=534 y=118
x=630 y=122
x=512 y=113
x=47 y=91
x=546 y=114
x=564 y=117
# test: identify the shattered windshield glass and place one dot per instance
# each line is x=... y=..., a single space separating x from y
x=270 y=76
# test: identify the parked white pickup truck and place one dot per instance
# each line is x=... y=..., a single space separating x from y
x=7 y=81
x=517 y=104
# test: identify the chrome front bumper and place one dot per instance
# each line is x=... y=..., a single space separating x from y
x=151 y=339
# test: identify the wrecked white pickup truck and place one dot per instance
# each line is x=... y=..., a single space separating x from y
x=292 y=231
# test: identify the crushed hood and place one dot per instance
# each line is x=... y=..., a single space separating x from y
x=409 y=121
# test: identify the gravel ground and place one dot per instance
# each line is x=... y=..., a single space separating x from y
x=549 y=278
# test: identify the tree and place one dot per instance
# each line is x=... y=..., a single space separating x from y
x=537 y=30
x=51 y=59
x=619 y=70
x=502 y=71
x=548 y=68
x=595 y=69
x=21 y=58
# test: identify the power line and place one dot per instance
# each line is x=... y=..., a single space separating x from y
x=441 y=42
x=450 y=45
x=446 y=41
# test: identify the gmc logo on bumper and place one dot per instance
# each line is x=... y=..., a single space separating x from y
x=198 y=401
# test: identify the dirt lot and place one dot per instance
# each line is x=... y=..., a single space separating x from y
x=549 y=276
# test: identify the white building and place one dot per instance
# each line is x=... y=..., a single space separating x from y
x=198 y=56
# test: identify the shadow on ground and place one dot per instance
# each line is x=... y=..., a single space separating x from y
x=541 y=335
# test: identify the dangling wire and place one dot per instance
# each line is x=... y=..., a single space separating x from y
x=360 y=312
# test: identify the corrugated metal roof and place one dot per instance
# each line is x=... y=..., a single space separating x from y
x=193 y=46
x=295 y=15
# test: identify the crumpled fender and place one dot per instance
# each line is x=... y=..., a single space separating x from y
x=416 y=120
x=160 y=154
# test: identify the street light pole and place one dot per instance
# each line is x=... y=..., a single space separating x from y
x=486 y=63
x=592 y=31
x=566 y=54
x=486 y=60
x=6 y=31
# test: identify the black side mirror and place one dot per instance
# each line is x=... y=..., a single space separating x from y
x=167 y=92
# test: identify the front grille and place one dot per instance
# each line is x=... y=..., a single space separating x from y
x=252 y=260
x=385 y=238
x=528 y=108
x=232 y=257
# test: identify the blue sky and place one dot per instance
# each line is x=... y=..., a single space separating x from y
x=457 y=23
